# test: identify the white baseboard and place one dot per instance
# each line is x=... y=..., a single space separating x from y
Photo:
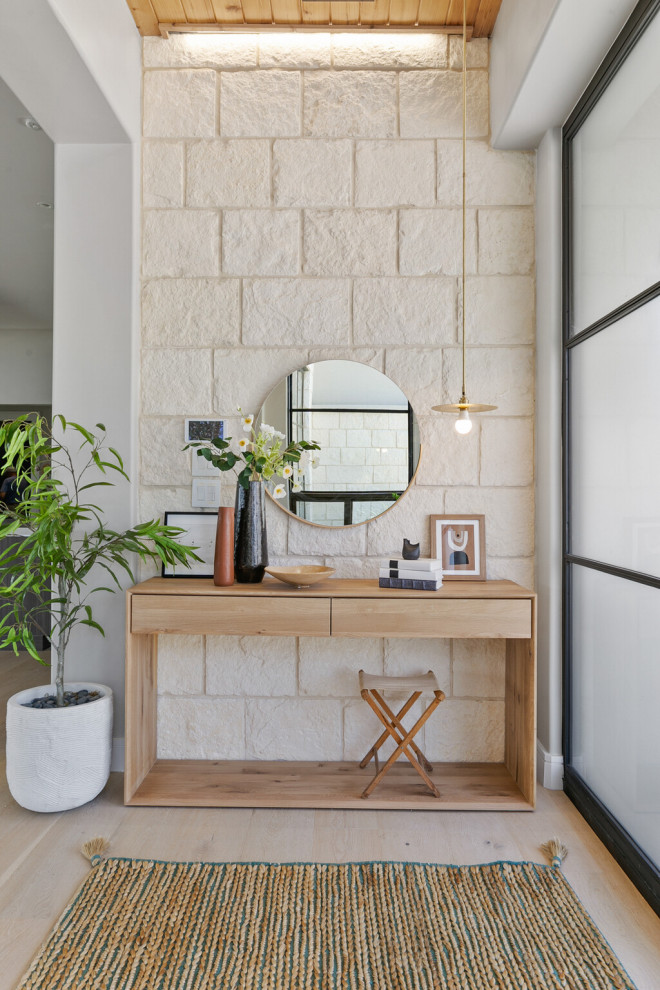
x=549 y=768
x=117 y=761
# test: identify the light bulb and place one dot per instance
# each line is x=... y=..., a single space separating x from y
x=463 y=424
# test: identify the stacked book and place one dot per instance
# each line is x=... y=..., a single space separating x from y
x=423 y=574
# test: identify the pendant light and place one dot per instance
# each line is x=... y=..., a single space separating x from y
x=463 y=407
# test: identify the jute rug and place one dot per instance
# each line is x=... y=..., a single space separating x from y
x=145 y=925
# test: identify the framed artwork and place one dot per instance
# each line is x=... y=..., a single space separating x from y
x=460 y=542
x=199 y=530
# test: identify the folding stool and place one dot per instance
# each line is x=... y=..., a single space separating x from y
x=371 y=686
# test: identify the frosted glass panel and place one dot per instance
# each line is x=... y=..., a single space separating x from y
x=615 y=443
x=616 y=189
x=616 y=686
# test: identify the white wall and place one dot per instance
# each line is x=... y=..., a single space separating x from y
x=25 y=367
x=63 y=72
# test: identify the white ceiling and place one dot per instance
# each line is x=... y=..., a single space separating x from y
x=26 y=230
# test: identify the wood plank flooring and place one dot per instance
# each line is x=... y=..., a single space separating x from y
x=41 y=866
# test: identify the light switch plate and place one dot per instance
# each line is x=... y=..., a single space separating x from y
x=201 y=468
x=205 y=493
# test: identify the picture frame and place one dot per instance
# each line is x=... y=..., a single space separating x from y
x=459 y=541
x=199 y=529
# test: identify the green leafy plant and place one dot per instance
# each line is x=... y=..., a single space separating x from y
x=65 y=536
x=261 y=453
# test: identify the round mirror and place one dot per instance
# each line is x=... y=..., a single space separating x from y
x=367 y=432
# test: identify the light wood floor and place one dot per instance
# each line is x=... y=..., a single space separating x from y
x=41 y=866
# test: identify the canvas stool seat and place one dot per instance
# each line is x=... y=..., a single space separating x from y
x=371 y=688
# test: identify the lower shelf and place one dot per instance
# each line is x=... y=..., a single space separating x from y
x=237 y=784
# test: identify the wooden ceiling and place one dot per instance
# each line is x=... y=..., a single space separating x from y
x=159 y=17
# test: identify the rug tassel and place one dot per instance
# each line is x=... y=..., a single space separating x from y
x=555 y=850
x=93 y=849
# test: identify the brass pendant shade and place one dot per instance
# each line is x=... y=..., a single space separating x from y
x=464 y=407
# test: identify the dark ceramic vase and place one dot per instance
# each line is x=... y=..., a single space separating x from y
x=250 y=543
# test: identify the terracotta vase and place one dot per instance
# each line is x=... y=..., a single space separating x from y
x=250 y=545
x=223 y=562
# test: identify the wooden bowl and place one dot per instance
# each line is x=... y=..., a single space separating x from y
x=301 y=576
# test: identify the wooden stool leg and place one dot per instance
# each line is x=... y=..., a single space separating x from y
x=404 y=711
x=402 y=743
x=397 y=721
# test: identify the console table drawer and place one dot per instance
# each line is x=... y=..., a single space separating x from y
x=235 y=616
x=475 y=618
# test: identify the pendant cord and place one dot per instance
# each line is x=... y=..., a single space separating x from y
x=463 y=399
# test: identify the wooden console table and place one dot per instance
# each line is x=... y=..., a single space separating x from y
x=194 y=606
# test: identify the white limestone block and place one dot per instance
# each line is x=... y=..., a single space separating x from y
x=404 y=311
x=409 y=517
x=500 y=376
x=191 y=312
x=351 y=420
x=430 y=242
x=352 y=456
x=418 y=373
x=355 y=438
x=350 y=104
x=179 y=103
x=365 y=355
x=200 y=729
x=329 y=667
x=499 y=309
x=244 y=376
x=251 y=666
x=499 y=178
x=466 y=731
x=176 y=381
x=162 y=173
x=260 y=242
x=260 y=104
x=354 y=567
x=180 y=243
x=521 y=570
x=395 y=173
x=506 y=242
x=163 y=460
x=507 y=451
x=295 y=312
x=311 y=172
x=277 y=529
x=306 y=539
x=404 y=657
x=228 y=173
x=447 y=457
x=293 y=729
x=478 y=668
x=431 y=104
x=477 y=53
x=195 y=51
x=379 y=51
x=509 y=516
x=281 y=50
x=181 y=665
x=153 y=502
x=449 y=157
x=349 y=242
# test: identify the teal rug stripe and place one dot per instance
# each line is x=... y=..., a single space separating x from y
x=159 y=925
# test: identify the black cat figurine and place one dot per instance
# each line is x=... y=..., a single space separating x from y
x=410 y=550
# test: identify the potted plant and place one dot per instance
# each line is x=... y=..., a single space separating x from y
x=56 y=554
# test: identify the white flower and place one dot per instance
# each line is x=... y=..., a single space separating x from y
x=296 y=488
x=287 y=471
x=268 y=430
x=278 y=435
x=315 y=459
x=247 y=423
x=305 y=458
x=279 y=491
x=241 y=444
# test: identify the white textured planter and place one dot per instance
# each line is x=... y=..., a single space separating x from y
x=58 y=758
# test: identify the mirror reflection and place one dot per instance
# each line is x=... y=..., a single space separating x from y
x=368 y=434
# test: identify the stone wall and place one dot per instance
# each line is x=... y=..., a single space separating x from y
x=302 y=201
